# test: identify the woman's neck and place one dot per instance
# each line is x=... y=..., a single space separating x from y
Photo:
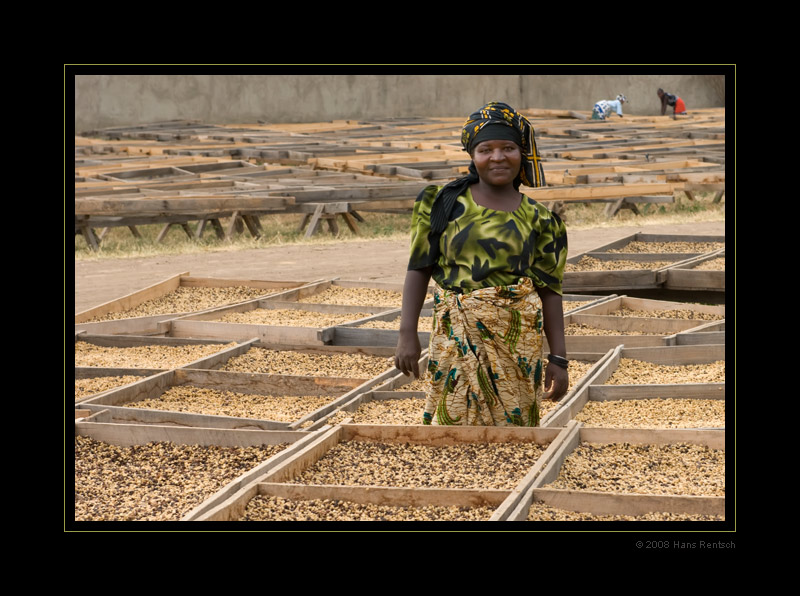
x=504 y=198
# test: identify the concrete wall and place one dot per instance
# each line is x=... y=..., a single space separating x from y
x=105 y=100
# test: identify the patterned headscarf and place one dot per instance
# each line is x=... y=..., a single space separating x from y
x=494 y=113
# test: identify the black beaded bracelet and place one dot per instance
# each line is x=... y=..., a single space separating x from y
x=558 y=360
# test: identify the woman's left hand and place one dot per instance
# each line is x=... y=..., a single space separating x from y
x=556 y=382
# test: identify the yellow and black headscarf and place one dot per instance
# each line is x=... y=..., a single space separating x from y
x=479 y=127
x=495 y=120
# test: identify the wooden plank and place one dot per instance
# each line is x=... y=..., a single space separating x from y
x=598 y=503
x=82 y=372
x=241 y=331
x=265 y=384
x=603 y=343
x=647 y=304
x=579 y=193
x=212 y=282
x=701 y=338
x=233 y=509
x=695 y=280
x=674 y=391
x=647 y=257
x=594 y=281
x=139 y=434
x=275 y=302
x=154 y=417
x=446 y=435
x=133 y=299
x=115 y=401
x=628 y=324
x=178 y=205
x=389 y=496
x=120 y=341
x=151 y=326
x=677 y=355
x=713 y=438
x=641 y=237
x=155 y=324
x=385 y=205
x=679 y=238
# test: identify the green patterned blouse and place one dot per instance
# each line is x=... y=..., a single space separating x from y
x=482 y=247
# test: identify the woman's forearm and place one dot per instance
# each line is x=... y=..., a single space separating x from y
x=553 y=314
x=414 y=290
x=408 y=347
x=556 y=378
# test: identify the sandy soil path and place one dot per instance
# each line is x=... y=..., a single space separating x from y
x=97 y=282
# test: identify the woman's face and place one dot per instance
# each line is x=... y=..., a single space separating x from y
x=497 y=162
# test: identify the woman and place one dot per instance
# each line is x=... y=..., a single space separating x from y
x=670 y=99
x=497 y=258
x=604 y=108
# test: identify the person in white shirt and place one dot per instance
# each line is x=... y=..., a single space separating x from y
x=605 y=107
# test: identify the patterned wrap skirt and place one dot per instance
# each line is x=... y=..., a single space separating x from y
x=485 y=357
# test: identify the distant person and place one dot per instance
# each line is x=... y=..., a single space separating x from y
x=668 y=99
x=605 y=107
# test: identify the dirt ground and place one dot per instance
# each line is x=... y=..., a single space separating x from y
x=97 y=282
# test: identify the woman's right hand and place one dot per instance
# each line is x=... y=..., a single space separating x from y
x=406 y=356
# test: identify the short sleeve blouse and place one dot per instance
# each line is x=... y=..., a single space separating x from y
x=482 y=247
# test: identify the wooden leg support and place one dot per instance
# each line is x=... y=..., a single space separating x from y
x=311 y=220
x=253 y=225
x=235 y=226
x=613 y=208
x=163 y=233
x=90 y=237
x=350 y=220
x=312 y=225
x=218 y=229
x=332 y=225
x=201 y=226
